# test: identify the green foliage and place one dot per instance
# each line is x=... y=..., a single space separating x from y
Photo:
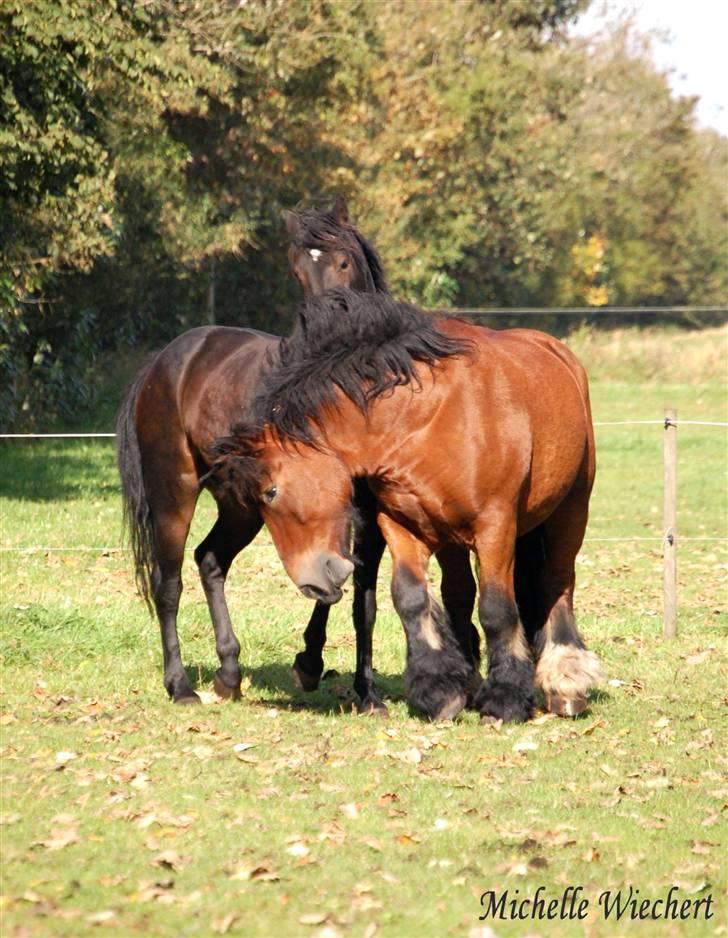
x=147 y=151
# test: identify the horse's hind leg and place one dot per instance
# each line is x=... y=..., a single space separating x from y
x=231 y=532
x=507 y=692
x=170 y=534
x=565 y=669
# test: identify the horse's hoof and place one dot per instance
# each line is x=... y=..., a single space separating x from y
x=188 y=699
x=450 y=709
x=565 y=706
x=223 y=691
x=372 y=708
x=303 y=681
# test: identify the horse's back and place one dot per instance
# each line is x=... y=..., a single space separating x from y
x=198 y=385
x=527 y=395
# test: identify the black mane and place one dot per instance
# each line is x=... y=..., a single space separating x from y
x=326 y=231
x=361 y=344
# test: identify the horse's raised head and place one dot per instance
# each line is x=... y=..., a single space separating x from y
x=327 y=251
x=304 y=496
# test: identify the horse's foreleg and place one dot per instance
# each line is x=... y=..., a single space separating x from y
x=368 y=550
x=309 y=663
x=507 y=692
x=437 y=673
x=228 y=536
x=458 y=597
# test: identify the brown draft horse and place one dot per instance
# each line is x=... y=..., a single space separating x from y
x=491 y=449
x=188 y=395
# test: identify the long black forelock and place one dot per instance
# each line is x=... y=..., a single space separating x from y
x=359 y=344
x=323 y=231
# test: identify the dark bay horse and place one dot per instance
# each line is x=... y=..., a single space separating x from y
x=491 y=449
x=185 y=397
x=188 y=395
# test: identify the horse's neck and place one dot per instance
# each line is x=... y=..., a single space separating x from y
x=375 y=444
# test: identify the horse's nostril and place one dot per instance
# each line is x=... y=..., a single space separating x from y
x=338 y=569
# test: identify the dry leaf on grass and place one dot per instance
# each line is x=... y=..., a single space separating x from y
x=60 y=837
x=259 y=873
x=170 y=860
x=222 y=926
x=313 y=918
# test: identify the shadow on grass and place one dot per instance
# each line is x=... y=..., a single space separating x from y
x=50 y=470
x=334 y=695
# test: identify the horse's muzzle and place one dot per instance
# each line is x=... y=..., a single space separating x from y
x=323 y=576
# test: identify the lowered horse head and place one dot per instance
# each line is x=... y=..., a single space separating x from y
x=274 y=477
x=327 y=251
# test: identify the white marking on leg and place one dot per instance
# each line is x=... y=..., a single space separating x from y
x=567 y=671
x=429 y=633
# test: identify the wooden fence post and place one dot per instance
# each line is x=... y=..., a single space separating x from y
x=669 y=542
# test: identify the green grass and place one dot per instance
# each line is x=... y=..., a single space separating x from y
x=122 y=814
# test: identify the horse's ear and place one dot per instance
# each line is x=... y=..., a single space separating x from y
x=340 y=211
x=293 y=226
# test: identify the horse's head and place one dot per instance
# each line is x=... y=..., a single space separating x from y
x=304 y=496
x=326 y=251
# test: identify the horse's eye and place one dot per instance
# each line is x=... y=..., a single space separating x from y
x=344 y=265
x=270 y=493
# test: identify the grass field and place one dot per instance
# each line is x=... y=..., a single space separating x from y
x=287 y=814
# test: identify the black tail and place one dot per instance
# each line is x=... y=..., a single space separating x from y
x=137 y=515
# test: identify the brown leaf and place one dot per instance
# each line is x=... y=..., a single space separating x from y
x=170 y=860
x=408 y=839
x=263 y=874
x=411 y=756
x=703 y=846
x=388 y=797
x=313 y=918
x=60 y=837
x=101 y=918
x=223 y=925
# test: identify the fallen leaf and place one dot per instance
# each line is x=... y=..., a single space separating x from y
x=411 y=756
x=170 y=860
x=99 y=918
x=261 y=873
x=703 y=846
x=60 y=838
x=313 y=918
x=298 y=849
x=223 y=925
x=62 y=758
